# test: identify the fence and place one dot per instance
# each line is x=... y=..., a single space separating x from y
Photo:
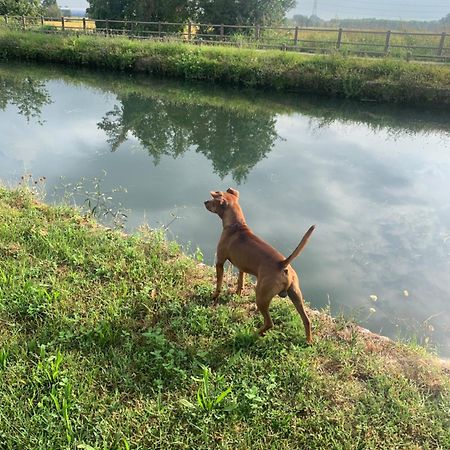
x=410 y=45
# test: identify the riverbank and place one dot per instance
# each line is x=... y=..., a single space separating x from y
x=384 y=80
x=112 y=341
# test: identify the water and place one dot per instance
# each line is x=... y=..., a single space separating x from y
x=374 y=179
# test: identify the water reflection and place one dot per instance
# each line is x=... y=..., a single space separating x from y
x=234 y=130
x=28 y=94
x=233 y=140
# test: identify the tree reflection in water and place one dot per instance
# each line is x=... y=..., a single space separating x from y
x=28 y=94
x=234 y=140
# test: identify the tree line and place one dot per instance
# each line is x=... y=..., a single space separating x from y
x=229 y=12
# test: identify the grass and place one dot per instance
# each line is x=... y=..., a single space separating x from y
x=386 y=80
x=403 y=44
x=110 y=341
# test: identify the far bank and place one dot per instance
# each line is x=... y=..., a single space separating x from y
x=381 y=80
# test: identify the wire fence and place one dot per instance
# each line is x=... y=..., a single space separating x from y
x=400 y=44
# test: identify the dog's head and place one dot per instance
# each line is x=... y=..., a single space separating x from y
x=221 y=200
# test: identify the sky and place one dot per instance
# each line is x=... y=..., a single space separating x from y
x=382 y=9
x=328 y=9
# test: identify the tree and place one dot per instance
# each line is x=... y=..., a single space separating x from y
x=157 y=10
x=20 y=7
x=50 y=8
x=445 y=20
x=243 y=12
x=210 y=11
x=145 y=10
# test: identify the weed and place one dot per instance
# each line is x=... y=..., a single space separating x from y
x=48 y=367
x=94 y=200
x=4 y=355
x=208 y=397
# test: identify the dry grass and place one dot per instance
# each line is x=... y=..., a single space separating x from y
x=70 y=23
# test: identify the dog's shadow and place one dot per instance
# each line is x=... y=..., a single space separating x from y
x=244 y=338
x=248 y=342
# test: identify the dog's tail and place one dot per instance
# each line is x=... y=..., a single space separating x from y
x=299 y=248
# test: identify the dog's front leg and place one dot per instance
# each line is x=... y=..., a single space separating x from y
x=240 y=282
x=219 y=274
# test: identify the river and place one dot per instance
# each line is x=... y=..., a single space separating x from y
x=375 y=179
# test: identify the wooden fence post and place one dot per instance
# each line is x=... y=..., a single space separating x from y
x=23 y=23
x=441 y=43
x=257 y=32
x=6 y=19
x=107 y=27
x=339 y=39
x=159 y=29
x=189 y=31
x=388 y=42
x=63 y=24
x=222 y=32
x=42 y=21
x=84 y=23
x=296 y=36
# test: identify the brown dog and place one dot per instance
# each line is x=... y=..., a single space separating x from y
x=250 y=254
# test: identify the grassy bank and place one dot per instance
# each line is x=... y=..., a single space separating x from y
x=111 y=341
x=366 y=79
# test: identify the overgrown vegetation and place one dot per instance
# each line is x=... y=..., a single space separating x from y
x=337 y=76
x=112 y=341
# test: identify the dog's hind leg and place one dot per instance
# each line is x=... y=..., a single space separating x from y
x=263 y=308
x=295 y=294
x=264 y=295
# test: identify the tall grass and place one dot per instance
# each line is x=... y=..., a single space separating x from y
x=409 y=44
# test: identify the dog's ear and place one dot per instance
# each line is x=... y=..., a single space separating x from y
x=216 y=194
x=233 y=192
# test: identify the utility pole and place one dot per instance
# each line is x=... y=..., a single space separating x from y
x=314 y=10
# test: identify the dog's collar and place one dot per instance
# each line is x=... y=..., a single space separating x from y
x=235 y=226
